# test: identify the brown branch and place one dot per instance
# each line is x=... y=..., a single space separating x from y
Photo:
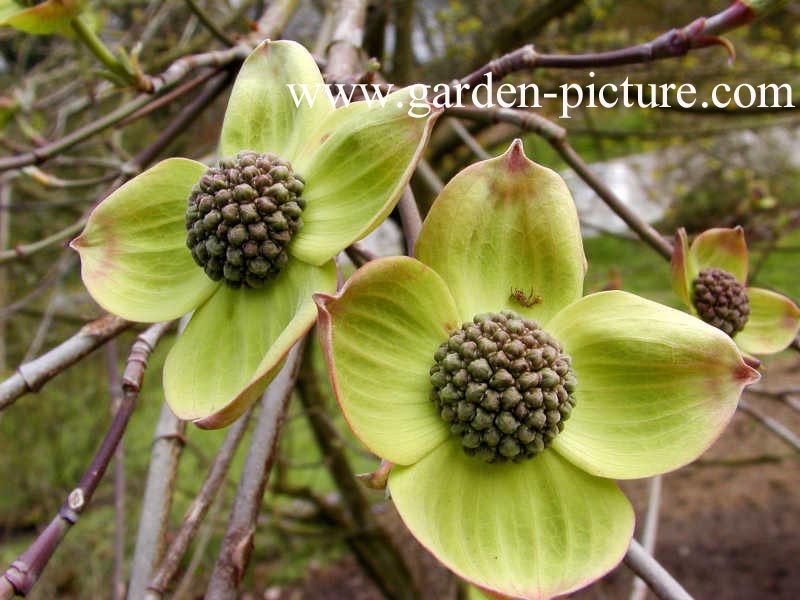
x=639 y=591
x=657 y=578
x=359 y=254
x=429 y=176
x=275 y=18
x=169 y=97
x=210 y=23
x=237 y=544
x=469 y=141
x=345 y=56
x=216 y=476
x=700 y=33
x=115 y=392
x=168 y=442
x=178 y=125
x=24 y=572
x=25 y=250
x=30 y=377
x=410 y=219
x=175 y=73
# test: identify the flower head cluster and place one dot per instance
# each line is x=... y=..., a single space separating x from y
x=710 y=276
x=246 y=242
x=466 y=388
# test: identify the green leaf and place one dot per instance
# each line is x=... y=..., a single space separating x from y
x=236 y=342
x=533 y=530
x=262 y=114
x=682 y=272
x=134 y=259
x=772 y=325
x=379 y=336
x=356 y=166
x=724 y=249
x=506 y=226
x=52 y=16
x=656 y=386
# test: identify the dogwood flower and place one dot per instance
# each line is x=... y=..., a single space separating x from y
x=244 y=243
x=710 y=276
x=506 y=401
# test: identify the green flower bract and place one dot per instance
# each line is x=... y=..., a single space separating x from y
x=655 y=386
x=355 y=161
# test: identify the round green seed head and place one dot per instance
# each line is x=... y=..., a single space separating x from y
x=504 y=387
x=240 y=217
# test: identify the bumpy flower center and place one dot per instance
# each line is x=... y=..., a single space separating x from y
x=241 y=216
x=721 y=300
x=504 y=385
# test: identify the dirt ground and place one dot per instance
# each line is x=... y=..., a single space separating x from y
x=729 y=526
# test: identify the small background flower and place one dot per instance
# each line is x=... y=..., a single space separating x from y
x=355 y=162
x=655 y=386
x=772 y=320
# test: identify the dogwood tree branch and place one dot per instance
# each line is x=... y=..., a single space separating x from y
x=31 y=376
x=700 y=33
x=237 y=544
x=771 y=424
x=24 y=572
x=649 y=533
x=657 y=578
x=216 y=476
x=170 y=77
x=115 y=392
x=410 y=219
x=168 y=442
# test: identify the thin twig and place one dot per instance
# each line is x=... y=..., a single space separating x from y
x=30 y=377
x=772 y=425
x=171 y=76
x=359 y=254
x=26 y=250
x=5 y=230
x=657 y=578
x=237 y=544
x=429 y=176
x=471 y=143
x=115 y=393
x=216 y=476
x=649 y=534
x=700 y=33
x=183 y=591
x=44 y=325
x=24 y=572
x=410 y=219
x=275 y=18
x=788 y=395
x=168 y=442
x=345 y=56
x=210 y=23
x=51 y=181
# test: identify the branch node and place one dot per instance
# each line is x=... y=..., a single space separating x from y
x=76 y=500
x=17 y=576
x=70 y=516
x=173 y=435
